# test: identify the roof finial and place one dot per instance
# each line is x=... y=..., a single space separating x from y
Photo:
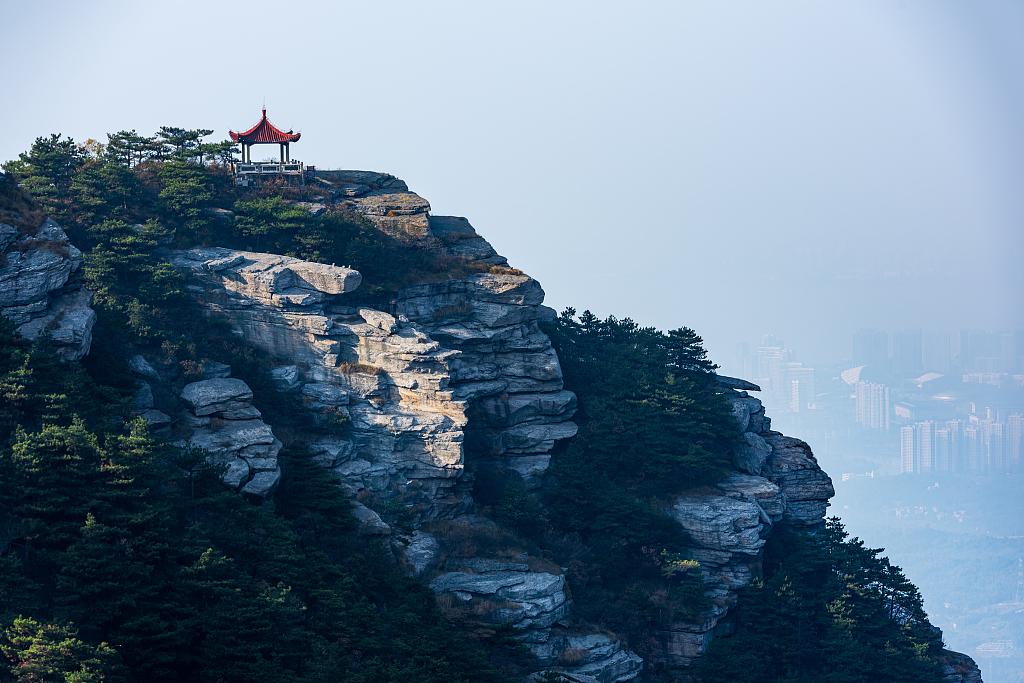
x=264 y=106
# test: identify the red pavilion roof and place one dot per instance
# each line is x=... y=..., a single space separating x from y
x=264 y=132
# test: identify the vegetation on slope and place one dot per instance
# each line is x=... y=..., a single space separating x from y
x=122 y=558
x=829 y=610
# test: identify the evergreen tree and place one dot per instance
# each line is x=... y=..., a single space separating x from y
x=46 y=171
x=49 y=653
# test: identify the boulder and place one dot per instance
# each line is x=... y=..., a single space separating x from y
x=211 y=369
x=286 y=377
x=41 y=292
x=141 y=367
x=752 y=454
x=721 y=522
x=262 y=483
x=793 y=468
x=223 y=422
x=210 y=396
x=596 y=657
x=527 y=601
x=736 y=383
x=370 y=523
x=420 y=552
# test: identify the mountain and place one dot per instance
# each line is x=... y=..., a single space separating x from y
x=219 y=440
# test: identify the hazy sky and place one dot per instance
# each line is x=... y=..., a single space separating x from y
x=802 y=168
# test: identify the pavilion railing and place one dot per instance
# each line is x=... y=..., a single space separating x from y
x=269 y=168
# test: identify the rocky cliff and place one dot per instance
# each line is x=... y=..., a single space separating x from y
x=408 y=396
x=40 y=287
x=456 y=374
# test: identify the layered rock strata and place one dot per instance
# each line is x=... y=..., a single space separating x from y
x=41 y=291
x=452 y=368
x=456 y=375
x=377 y=386
x=777 y=480
x=508 y=372
x=222 y=421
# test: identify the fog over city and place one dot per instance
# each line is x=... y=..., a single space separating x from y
x=829 y=193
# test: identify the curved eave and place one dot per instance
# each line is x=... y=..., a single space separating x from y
x=251 y=137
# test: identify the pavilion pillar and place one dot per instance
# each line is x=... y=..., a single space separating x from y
x=282 y=152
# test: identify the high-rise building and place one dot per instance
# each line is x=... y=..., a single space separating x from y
x=937 y=352
x=906 y=352
x=744 y=360
x=870 y=347
x=992 y=445
x=956 y=454
x=771 y=374
x=801 y=384
x=972 y=448
x=984 y=348
x=907 y=455
x=943 y=450
x=964 y=356
x=924 y=435
x=872 y=405
x=1014 y=441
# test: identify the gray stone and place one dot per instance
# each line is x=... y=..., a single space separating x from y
x=210 y=396
x=420 y=553
x=379 y=319
x=262 y=484
x=370 y=523
x=286 y=377
x=141 y=367
x=8 y=233
x=314 y=208
x=155 y=419
x=237 y=473
x=330 y=451
x=736 y=383
x=750 y=457
x=767 y=495
x=66 y=319
x=325 y=393
x=600 y=658
x=793 y=468
x=959 y=668
x=720 y=522
x=524 y=600
x=325 y=278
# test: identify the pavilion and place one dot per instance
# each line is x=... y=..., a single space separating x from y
x=265 y=133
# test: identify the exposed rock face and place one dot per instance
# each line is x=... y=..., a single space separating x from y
x=385 y=381
x=507 y=369
x=385 y=200
x=589 y=658
x=508 y=593
x=40 y=288
x=459 y=373
x=778 y=480
x=959 y=668
x=223 y=422
x=454 y=367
